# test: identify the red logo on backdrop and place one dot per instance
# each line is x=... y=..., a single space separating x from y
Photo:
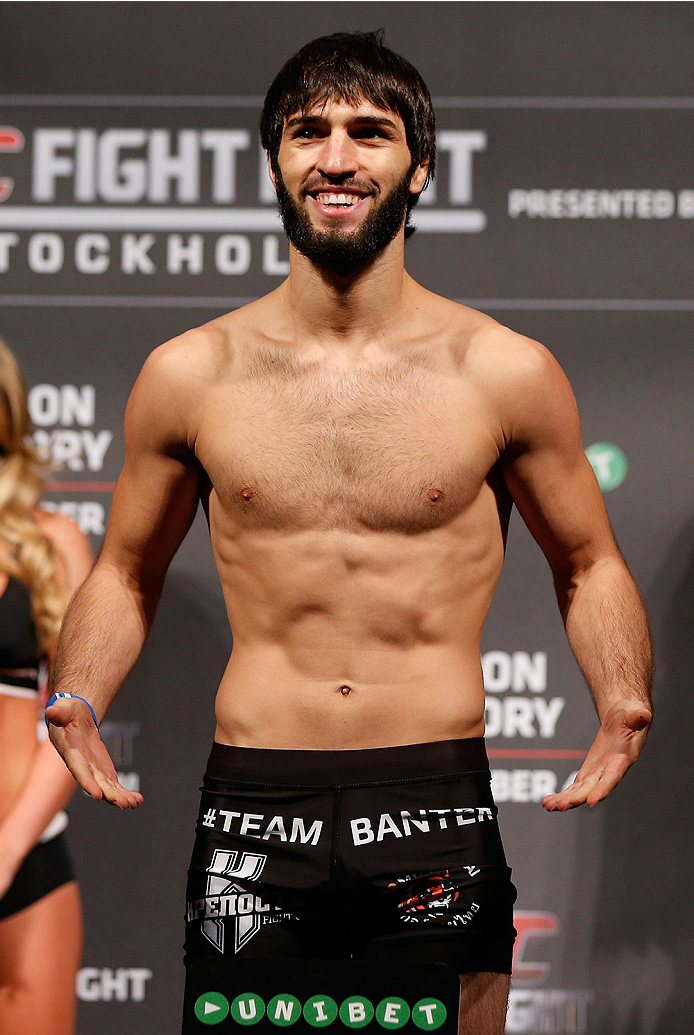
x=531 y=925
x=11 y=141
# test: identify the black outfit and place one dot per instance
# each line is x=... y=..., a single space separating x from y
x=48 y=865
x=19 y=651
x=388 y=854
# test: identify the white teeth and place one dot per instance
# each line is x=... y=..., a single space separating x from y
x=338 y=199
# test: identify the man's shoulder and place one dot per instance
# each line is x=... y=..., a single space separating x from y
x=510 y=353
x=483 y=345
x=518 y=377
x=202 y=353
x=191 y=354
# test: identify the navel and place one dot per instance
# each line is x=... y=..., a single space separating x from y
x=345 y=690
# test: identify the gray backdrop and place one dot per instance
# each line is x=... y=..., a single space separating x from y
x=132 y=206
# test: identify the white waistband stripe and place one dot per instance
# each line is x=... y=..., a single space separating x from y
x=6 y=690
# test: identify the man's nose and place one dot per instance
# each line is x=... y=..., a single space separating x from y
x=337 y=159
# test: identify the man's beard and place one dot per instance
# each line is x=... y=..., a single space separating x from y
x=339 y=251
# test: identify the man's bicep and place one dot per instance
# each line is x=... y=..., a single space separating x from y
x=560 y=501
x=551 y=480
x=156 y=496
x=153 y=507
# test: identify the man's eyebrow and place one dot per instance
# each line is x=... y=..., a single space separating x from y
x=303 y=120
x=376 y=120
x=360 y=120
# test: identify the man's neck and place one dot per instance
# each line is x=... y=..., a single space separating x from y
x=357 y=308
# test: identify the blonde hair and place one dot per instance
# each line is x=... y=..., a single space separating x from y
x=31 y=557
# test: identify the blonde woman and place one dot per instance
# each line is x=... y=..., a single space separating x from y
x=43 y=558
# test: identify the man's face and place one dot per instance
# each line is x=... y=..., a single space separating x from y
x=345 y=180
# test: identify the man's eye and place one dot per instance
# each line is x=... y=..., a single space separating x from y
x=368 y=133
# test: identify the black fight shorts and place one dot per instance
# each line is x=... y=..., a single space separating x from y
x=385 y=855
x=47 y=866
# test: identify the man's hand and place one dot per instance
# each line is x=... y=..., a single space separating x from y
x=616 y=747
x=76 y=738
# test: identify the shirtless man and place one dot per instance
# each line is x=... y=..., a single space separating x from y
x=357 y=443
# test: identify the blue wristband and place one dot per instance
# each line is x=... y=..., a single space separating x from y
x=56 y=697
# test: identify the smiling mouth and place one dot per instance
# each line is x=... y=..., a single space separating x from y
x=339 y=200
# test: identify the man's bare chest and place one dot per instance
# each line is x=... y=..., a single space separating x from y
x=405 y=450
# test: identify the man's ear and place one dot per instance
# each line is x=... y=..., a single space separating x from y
x=419 y=176
x=271 y=172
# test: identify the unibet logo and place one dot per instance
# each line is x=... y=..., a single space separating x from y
x=356 y=1012
x=609 y=463
x=247 y=1008
x=284 y=1010
x=211 y=1008
x=392 y=1012
x=320 y=1011
x=429 y=1014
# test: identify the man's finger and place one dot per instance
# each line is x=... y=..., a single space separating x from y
x=609 y=779
x=574 y=795
x=82 y=773
x=115 y=794
x=98 y=784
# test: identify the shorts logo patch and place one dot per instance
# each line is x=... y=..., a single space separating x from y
x=435 y=898
x=439 y=893
x=247 y=867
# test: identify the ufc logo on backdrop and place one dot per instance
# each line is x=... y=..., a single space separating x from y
x=11 y=141
x=531 y=925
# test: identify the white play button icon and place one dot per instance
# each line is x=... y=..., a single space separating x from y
x=211 y=1008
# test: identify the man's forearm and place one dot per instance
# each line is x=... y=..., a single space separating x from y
x=607 y=627
x=102 y=636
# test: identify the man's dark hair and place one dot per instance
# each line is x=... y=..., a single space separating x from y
x=348 y=66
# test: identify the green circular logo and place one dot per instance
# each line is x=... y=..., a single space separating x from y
x=609 y=463
x=320 y=1011
x=284 y=1010
x=428 y=1014
x=356 y=1011
x=211 y=1008
x=392 y=1012
x=247 y=1008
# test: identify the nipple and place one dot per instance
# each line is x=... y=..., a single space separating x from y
x=344 y=690
x=247 y=494
x=435 y=495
